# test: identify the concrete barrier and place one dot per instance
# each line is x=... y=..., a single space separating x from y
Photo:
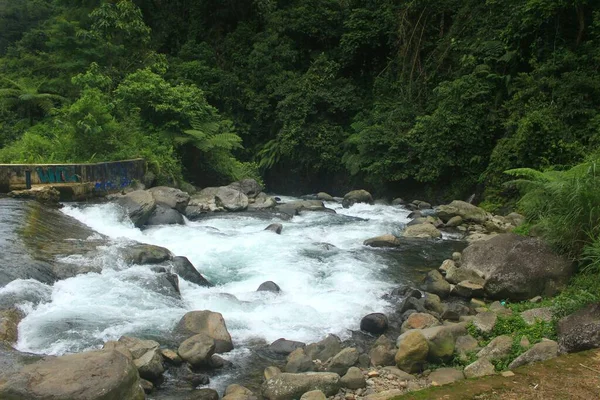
x=99 y=177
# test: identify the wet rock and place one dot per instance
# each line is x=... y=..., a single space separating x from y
x=284 y=346
x=197 y=350
x=186 y=270
x=269 y=286
x=138 y=347
x=324 y=196
x=446 y=266
x=270 y=372
x=313 y=395
x=468 y=289
x=249 y=187
x=325 y=349
x=411 y=303
x=445 y=376
x=353 y=379
x=376 y=323
x=201 y=203
x=93 y=375
x=479 y=368
x=388 y=240
x=145 y=254
x=150 y=365
x=298 y=361
x=357 y=196
x=287 y=386
x=412 y=351
x=343 y=360
x=164 y=216
x=457 y=258
x=419 y=321
x=485 y=321
x=237 y=392
x=436 y=284
x=542 y=351
x=466 y=211
x=225 y=197
x=497 y=349
x=147 y=386
x=194 y=379
x=425 y=230
x=398 y=202
x=206 y=322
x=406 y=291
x=537 y=314
x=517 y=267
x=580 y=330
x=423 y=205
x=277 y=228
x=138 y=205
x=170 y=197
x=9 y=322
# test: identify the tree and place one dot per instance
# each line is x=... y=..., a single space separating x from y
x=25 y=97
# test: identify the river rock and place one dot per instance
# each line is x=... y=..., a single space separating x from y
x=171 y=356
x=201 y=203
x=454 y=222
x=411 y=303
x=445 y=376
x=353 y=379
x=375 y=323
x=203 y=394
x=277 y=228
x=186 y=270
x=262 y=202
x=419 y=321
x=287 y=386
x=313 y=395
x=145 y=254
x=412 y=351
x=284 y=346
x=223 y=197
x=137 y=347
x=206 y=322
x=325 y=349
x=93 y=375
x=170 y=197
x=150 y=365
x=465 y=344
x=537 y=314
x=468 y=289
x=468 y=212
x=238 y=392
x=138 y=205
x=356 y=196
x=485 y=321
x=9 y=322
x=270 y=372
x=426 y=230
x=324 y=196
x=456 y=274
x=440 y=341
x=497 y=349
x=197 y=350
x=388 y=240
x=164 y=216
x=249 y=187
x=436 y=284
x=542 y=351
x=298 y=361
x=269 y=286
x=383 y=352
x=432 y=302
x=343 y=360
x=517 y=267
x=481 y=367
x=118 y=346
x=580 y=330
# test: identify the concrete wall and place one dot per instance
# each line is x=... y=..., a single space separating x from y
x=106 y=176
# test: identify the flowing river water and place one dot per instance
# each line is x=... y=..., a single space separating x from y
x=329 y=280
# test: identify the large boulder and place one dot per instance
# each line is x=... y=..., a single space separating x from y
x=286 y=386
x=163 y=215
x=138 y=205
x=499 y=348
x=295 y=207
x=436 y=284
x=425 y=230
x=249 y=187
x=201 y=203
x=185 y=269
x=298 y=361
x=383 y=352
x=93 y=375
x=150 y=365
x=357 y=196
x=230 y=199
x=170 y=197
x=325 y=349
x=412 y=351
x=262 y=202
x=145 y=254
x=197 y=350
x=542 y=351
x=284 y=346
x=388 y=240
x=517 y=267
x=468 y=212
x=343 y=360
x=209 y=323
x=9 y=322
x=581 y=330
x=419 y=321
x=375 y=323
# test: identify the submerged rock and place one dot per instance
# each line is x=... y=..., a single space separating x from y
x=277 y=228
x=269 y=286
x=383 y=241
x=145 y=254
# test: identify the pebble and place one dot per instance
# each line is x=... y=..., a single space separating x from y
x=391 y=377
x=370 y=382
x=373 y=374
x=507 y=374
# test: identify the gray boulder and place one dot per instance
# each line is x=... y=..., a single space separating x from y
x=277 y=228
x=445 y=376
x=468 y=212
x=298 y=361
x=249 y=187
x=284 y=346
x=93 y=375
x=262 y=202
x=517 y=267
x=138 y=205
x=542 y=351
x=383 y=352
x=357 y=196
x=186 y=270
x=144 y=254
x=269 y=286
x=325 y=349
x=383 y=241
x=580 y=330
x=206 y=322
x=163 y=215
x=197 y=350
x=500 y=347
x=201 y=203
x=343 y=360
x=286 y=386
x=481 y=367
x=425 y=230
x=375 y=323
x=436 y=284
x=150 y=365
x=324 y=196
x=353 y=379
x=533 y=315
x=170 y=197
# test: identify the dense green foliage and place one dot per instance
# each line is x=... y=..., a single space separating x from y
x=321 y=94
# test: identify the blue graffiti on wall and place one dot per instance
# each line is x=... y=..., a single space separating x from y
x=59 y=174
x=118 y=178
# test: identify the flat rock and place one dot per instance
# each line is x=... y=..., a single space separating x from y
x=479 y=368
x=287 y=386
x=537 y=314
x=497 y=349
x=445 y=376
x=485 y=321
x=542 y=351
